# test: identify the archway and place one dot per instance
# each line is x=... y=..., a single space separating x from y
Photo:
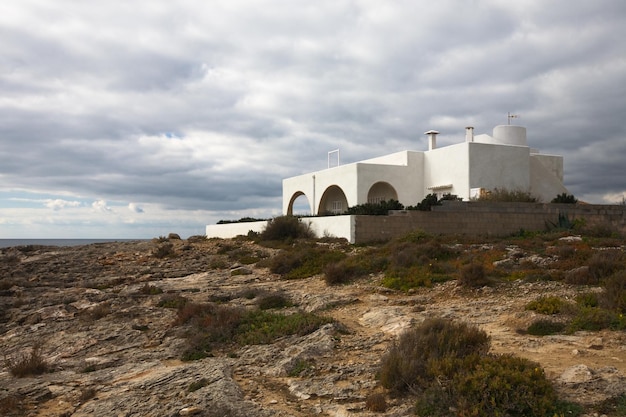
x=381 y=191
x=333 y=201
x=299 y=204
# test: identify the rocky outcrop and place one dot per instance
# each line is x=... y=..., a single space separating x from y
x=111 y=348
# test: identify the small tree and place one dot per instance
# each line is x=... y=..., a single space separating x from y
x=565 y=198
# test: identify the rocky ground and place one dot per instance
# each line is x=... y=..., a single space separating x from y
x=112 y=350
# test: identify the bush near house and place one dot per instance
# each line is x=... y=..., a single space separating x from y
x=508 y=196
x=286 y=227
x=565 y=198
x=376 y=209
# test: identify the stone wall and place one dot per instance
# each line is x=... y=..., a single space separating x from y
x=487 y=219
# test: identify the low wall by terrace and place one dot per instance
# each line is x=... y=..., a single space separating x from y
x=451 y=218
x=487 y=219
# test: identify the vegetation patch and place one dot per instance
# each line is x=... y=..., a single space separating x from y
x=473 y=276
x=286 y=227
x=376 y=209
x=302 y=366
x=304 y=261
x=213 y=325
x=273 y=301
x=543 y=327
x=546 y=305
x=164 y=250
x=196 y=385
x=447 y=367
x=27 y=364
x=148 y=289
x=376 y=402
x=405 y=368
x=504 y=195
x=171 y=300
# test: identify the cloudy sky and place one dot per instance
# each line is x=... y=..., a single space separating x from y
x=135 y=119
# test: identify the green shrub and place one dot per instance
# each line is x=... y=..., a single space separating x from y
x=197 y=239
x=503 y=385
x=148 y=289
x=614 y=295
x=286 y=227
x=213 y=325
x=376 y=209
x=604 y=263
x=508 y=196
x=303 y=261
x=164 y=250
x=173 y=301
x=270 y=301
x=614 y=406
x=301 y=366
x=595 y=319
x=565 y=198
x=447 y=366
x=426 y=204
x=343 y=271
x=587 y=300
x=29 y=364
x=473 y=276
x=261 y=327
x=546 y=305
x=405 y=367
x=544 y=327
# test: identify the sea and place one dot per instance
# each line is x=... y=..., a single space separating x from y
x=5 y=243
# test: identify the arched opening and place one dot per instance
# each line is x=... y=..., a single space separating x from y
x=381 y=191
x=299 y=205
x=333 y=201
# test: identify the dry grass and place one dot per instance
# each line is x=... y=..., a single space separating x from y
x=28 y=364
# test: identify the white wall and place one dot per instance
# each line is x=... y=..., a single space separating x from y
x=499 y=166
x=333 y=226
x=447 y=165
x=553 y=163
x=230 y=230
x=406 y=180
x=344 y=176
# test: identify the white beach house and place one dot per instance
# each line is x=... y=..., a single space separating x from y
x=480 y=163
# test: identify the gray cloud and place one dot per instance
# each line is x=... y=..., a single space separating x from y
x=208 y=106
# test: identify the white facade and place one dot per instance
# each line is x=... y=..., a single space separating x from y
x=482 y=162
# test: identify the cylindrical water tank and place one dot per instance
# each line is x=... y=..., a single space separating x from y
x=510 y=135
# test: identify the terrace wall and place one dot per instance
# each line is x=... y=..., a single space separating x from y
x=486 y=219
x=451 y=218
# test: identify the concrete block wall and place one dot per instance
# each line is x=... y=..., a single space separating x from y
x=452 y=218
x=487 y=219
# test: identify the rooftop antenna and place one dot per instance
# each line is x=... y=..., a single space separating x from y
x=511 y=116
x=336 y=151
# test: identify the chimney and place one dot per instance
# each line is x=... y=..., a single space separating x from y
x=469 y=134
x=432 y=139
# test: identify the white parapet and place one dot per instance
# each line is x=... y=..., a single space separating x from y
x=230 y=230
x=330 y=226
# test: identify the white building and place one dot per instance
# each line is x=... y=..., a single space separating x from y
x=481 y=162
